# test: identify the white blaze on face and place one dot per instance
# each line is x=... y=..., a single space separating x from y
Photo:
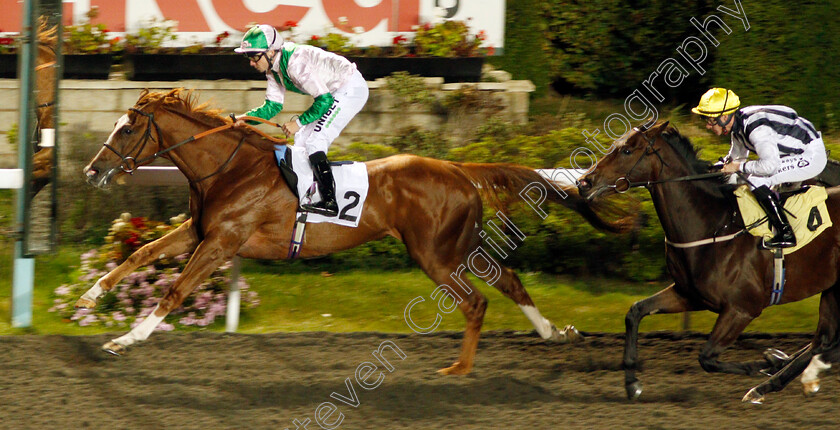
x=120 y=123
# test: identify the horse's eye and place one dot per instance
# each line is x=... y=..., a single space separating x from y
x=626 y=151
x=127 y=131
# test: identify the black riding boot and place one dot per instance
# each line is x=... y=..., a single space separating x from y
x=784 y=237
x=326 y=186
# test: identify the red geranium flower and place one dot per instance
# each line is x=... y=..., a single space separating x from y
x=133 y=240
x=290 y=24
x=315 y=37
x=138 y=222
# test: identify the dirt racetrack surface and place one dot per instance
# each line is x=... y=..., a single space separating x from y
x=211 y=380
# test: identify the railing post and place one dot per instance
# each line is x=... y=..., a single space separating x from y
x=232 y=315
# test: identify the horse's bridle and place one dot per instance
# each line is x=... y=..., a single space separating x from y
x=650 y=150
x=129 y=163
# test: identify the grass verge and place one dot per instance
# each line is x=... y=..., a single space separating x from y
x=376 y=301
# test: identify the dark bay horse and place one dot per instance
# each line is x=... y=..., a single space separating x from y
x=239 y=205
x=732 y=278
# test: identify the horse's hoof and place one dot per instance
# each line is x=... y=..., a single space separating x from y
x=455 y=369
x=114 y=348
x=569 y=334
x=775 y=357
x=83 y=303
x=634 y=390
x=753 y=397
x=811 y=387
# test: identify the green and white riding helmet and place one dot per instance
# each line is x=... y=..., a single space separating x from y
x=260 y=38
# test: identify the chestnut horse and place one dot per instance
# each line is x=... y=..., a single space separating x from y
x=45 y=83
x=732 y=278
x=239 y=205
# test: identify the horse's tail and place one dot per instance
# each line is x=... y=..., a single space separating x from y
x=501 y=179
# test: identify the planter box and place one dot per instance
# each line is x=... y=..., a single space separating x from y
x=462 y=69
x=92 y=66
x=174 y=67
x=8 y=66
x=96 y=66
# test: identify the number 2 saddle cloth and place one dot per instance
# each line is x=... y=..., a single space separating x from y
x=805 y=210
x=351 y=186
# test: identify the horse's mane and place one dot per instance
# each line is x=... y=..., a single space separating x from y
x=683 y=147
x=184 y=101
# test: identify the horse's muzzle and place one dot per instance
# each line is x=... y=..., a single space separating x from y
x=96 y=178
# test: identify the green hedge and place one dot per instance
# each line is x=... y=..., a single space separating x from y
x=608 y=48
x=526 y=52
x=789 y=56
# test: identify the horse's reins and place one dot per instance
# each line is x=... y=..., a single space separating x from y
x=650 y=150
x=647 y=184
x=130 y=163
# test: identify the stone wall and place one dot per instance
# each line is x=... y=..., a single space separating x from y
x=96 y=105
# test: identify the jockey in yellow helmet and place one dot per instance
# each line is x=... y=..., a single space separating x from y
x=788 y=147
x=338 y=88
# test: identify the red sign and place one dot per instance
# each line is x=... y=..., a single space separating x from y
x=234 y=14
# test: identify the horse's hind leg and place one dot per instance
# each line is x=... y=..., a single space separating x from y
x=508 y=283
x=182 y=239
x=730 y=324
x=824 y=349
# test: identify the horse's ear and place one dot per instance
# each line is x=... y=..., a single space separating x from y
x=658 y=129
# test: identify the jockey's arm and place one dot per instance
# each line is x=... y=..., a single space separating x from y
x=268 y=110
x=319 y=107
x=764 y=139
x=275 y=95
x=737 y=152
x=310 y=82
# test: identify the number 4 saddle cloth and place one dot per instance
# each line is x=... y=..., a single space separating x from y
x=351 y=186
x=805 y=211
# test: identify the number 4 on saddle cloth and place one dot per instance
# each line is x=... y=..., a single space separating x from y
x=351 y=185
x=806 y=210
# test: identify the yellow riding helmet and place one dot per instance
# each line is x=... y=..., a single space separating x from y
x=717 y=102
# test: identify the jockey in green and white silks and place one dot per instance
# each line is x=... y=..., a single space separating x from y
x=788 y=147
x=339 y=90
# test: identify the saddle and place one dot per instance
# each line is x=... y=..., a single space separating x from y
x=351 y=182
x=805 y=207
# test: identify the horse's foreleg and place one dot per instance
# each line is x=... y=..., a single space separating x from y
x=729 y=325
x=208 y=256
x=666 y=301
x=182 y=239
